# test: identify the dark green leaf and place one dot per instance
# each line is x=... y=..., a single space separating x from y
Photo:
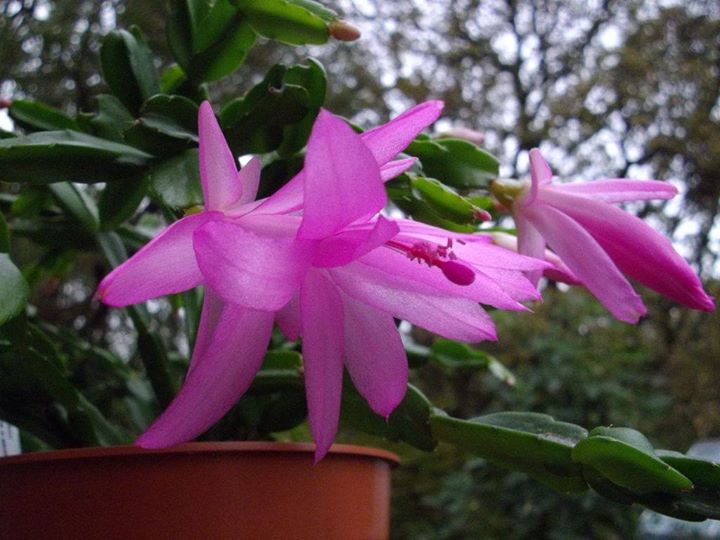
x=120 y=200
x=209 y=26
x=226 y=55
x=444 y=201
x=39 y=116
x=178 y=32
x=401 y=192
x=36 y=396
x=626 y=457
x=296 y=22
x=409 y=422
x=13 y=289
x=312 y=78
x=4 y=235
x=111 y=119
x=701 y=472
x=533 y=443
x=76 y=203
x=455 y=355
x=280 y=359
x=167 y=125
x=256 y=123
x=455 y=162
x=57 y=156
x=171 y=79
x=128 y=68
x=176 y=181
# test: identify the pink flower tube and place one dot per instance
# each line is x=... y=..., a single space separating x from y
x=598 y=242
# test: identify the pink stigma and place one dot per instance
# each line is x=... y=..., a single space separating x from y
x=457 y=272
x=440 y=256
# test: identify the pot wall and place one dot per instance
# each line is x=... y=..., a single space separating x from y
x=197 y=491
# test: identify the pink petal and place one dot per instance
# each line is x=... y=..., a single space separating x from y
x=557 y=272
x=249 y=178
x=396 y=167
x=637 y=249
x=540 y=174
x=478 y=249
x=451 y=317
x=288 y=319
x=618 y=190
x=386 y=141
x=219 y=377
x=539 y=168
x=288 y=198
x=374 y=356
x=218 y=168
x=166 y=265
x=530 y=242
x=209 y=318
x=342 y=179
x=243 y=267
x=322 y=331
x=350 y=244
x=588 y=261
x=415 y=276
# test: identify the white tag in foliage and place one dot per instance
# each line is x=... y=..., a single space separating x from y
x=9 y=440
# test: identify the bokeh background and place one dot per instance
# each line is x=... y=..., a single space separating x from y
x=605 y=89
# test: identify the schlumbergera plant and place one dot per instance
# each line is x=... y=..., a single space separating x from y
x=312 y=269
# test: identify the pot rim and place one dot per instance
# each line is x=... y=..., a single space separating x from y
x=214 y=447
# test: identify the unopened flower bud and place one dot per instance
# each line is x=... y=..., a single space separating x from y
x=343 y=31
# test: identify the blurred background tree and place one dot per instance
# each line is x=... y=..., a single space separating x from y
x=605 y=88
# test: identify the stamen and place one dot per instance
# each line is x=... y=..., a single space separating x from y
x=435 y=255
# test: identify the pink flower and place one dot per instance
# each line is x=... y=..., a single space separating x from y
x=599 y=242
x=317 y=257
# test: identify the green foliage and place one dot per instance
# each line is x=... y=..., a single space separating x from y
x=277 y=113
x=458 y=163
x=36 y=116
x=13 y=289
x=208 y=40
x=176 y=181
x=128 y=68
x=295 y=22
x=57 y=156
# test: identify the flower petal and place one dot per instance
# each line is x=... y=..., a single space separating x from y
x=249 y=178
x=386 y=141
x=342 y=179
x=322 y=331
x=588 y=261
x=451 y=317
x=374 y=356
x=618 y=190
x=166 y=265
x=351 y=244
x=432 y=280
x=540 y=171
x=288 y=319
x=218 y=168
x=209 y=318
x=557 y=272
x=636 y=248
x=390 y=170
x=529 y=242
x=220 y=375
x=243 y=267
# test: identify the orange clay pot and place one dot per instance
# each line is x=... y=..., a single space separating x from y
x=250 y=490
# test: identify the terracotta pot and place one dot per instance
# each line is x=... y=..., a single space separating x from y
x=197 y=491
